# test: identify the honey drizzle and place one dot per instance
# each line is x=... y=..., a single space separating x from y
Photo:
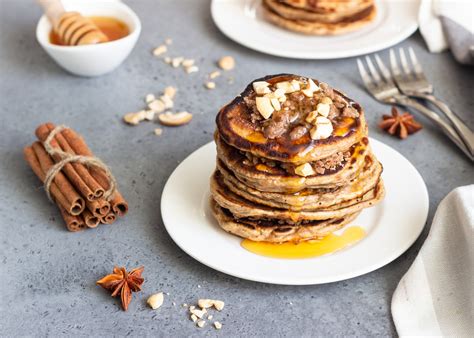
x=314 y=248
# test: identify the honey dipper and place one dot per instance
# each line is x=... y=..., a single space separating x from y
x=72 y=28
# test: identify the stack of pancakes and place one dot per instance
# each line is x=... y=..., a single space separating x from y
x=320 y=17
x=286 y=175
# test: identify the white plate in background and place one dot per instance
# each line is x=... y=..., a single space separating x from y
x=243 y=22
x=392 y=226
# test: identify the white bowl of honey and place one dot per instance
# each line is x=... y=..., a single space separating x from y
x=115 y=19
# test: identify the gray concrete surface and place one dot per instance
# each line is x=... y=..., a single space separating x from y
x=48 y=275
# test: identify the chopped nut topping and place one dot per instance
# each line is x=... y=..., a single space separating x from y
x=214 y=74
x=311 y=116
x=322 y=129
x=217 y=325
x=304 y=170
x=227 y=63
x=210 y=85
x=160 y=50
x=177 y=119
x=156 y=300
x=287 y=86
x=323 y=109
x=261 y=87
x=326 y=100
x=276 y=104
x=264 y=106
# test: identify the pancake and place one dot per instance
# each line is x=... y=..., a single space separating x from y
x=327 y=6
x=272 y=230
x=321 y=28
x=242 y=208
x=293 y=13
x=238 y=127
x=274 y=180
x=307 y=199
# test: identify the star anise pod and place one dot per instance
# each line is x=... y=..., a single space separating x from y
x=400 y=124
x=123 y=283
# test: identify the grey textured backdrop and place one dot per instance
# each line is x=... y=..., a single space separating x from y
x=48 y=275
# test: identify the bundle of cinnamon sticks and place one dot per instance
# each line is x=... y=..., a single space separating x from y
x=78 y=189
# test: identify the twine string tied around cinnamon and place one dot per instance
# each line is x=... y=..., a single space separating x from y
x=68 y=158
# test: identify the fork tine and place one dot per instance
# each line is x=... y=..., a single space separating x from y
x=363 y=73
x=385 y=72
x=373 y=71
x=404 y=61
x=414 y=61
x=394 y=64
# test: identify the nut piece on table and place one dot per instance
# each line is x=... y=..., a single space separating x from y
x=160 y=50
x=201 y=323
x=214 y=74
x=157 y=106
x=156 y=300
x=135 y=118
x=194 y=318
x=191 y=69
x=170 y=92
x=158 y=131
x=264 y=106
x=304 y=170
x=210 y=85
x=226 y=63
x=217 y=325
x=149 y=98
x=177 y=119
x=207 y=303
x=176 y=62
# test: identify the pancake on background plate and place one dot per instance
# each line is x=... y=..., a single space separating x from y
x=329 y=17
x=294 y=161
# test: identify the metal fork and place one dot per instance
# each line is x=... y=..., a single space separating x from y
x=414 y=83
x=386 y=91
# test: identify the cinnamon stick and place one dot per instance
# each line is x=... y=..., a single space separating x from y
x=73 y=223
x=91 y=220
x=62 y=193
x=79 y=146
x=109 y=218
x=98 y=207
x=77 y=173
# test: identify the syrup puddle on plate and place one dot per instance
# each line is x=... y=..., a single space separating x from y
x=327 y=245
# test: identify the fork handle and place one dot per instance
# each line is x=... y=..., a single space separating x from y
x=447 y=129
x=463 y=130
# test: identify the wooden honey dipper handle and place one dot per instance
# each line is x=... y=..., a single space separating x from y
x=72 y=28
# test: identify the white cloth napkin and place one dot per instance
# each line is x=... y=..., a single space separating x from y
x=435 y=297
x=448 y=24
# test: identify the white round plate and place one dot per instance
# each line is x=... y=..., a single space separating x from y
x=243 y=22
x=391 y=226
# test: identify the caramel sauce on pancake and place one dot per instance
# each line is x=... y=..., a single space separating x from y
x=308 y=249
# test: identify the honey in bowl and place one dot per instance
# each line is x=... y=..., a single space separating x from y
x=113 y=28
x=314 y=248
